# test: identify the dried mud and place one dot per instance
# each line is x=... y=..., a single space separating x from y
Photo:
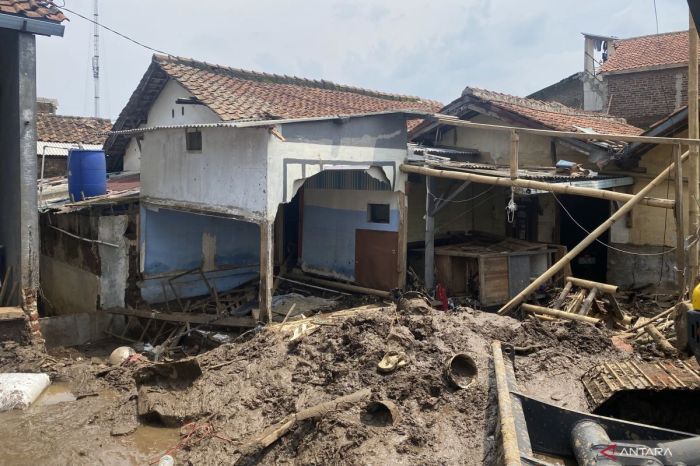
x=251 y=384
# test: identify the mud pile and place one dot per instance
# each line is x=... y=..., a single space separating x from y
x=248 y=386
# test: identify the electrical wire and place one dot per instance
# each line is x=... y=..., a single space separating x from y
x=436 y=198
x=123 y=36
x=605 y=244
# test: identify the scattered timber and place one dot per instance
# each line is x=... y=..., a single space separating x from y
x=561 y=314
x=343 y=286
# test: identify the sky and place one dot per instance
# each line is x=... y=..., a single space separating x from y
x=428 y=49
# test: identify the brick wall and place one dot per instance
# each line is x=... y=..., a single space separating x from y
x=53 y=166
x=646 y=97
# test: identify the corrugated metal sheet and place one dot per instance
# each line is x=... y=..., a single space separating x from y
x=357 y=180
x=60 y=149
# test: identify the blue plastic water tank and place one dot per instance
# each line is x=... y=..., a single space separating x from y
x=87 y=173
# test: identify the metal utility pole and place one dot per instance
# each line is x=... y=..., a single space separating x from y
x=694 y=159
x=96 y=57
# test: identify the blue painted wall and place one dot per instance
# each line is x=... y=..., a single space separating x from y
x=171 y=242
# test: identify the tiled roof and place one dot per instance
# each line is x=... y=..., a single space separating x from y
x=552 y=115
x=236 y=94
x=648 y=51
x=71 y=129
x=35 y=9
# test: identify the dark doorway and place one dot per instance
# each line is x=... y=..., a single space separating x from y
x=292 y=229
x=592 y=263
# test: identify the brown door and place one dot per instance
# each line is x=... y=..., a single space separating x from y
x=376 y=259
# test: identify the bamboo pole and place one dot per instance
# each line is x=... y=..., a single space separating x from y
x=694 y=165
x=454 y=121
x=576 y=250
x=559 y=188
x=581 y=283
x=509 y=436
x=514 y=145
x=679 y=215
x=561 y=314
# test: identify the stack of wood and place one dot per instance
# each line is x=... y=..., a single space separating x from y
x=592 y=302
x=660 y=330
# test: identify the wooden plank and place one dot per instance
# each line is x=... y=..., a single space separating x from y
x=562 y=296
x=561 y=314
x=186 y=317
x=493 y=280
x=266 y=271
x=588 y=302
x=680 y=225
x=376 y=255
x=403 y=240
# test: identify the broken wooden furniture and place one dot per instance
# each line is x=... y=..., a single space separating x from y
x=534 y=432
x=593 y=302
x=492 y=270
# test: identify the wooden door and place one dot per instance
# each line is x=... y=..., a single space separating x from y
x=376 y=259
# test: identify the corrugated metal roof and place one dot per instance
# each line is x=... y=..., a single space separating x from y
x=60 y=149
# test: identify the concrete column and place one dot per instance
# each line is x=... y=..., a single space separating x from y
x=266 y=270
x=19 y=232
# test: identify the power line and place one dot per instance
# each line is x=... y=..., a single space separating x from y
x=123 y=36
x=656 y=16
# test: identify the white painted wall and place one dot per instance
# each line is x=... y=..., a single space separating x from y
x=334 y=146
x=228 y=174
x=165 y=111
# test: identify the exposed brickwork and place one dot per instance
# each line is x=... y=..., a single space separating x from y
x=53 y=166
x=568 y=91
x=645 y=97
x=30 y=308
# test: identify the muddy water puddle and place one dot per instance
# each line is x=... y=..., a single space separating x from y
x=60 y=429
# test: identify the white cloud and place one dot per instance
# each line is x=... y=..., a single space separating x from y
x=431 y=49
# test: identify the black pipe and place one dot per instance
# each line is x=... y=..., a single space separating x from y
x=589 y=441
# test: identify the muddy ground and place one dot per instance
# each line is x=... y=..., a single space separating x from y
x=251 y=384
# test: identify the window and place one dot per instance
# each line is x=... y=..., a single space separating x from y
x=378 y=213
x=194 y=140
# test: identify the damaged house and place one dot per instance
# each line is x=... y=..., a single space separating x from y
x=532 y=215
x=641 y=79
x=243 y=171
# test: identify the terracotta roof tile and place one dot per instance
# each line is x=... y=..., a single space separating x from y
x=553 y=115
x=37 y=9
x=648 y=51
x=236 y=94
x=71 y=129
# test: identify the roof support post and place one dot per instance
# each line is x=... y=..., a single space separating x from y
x=576 y=250
x=680 y=224
x=693 y=166
x=429 y=275
x=266 y=270
x=514 y=145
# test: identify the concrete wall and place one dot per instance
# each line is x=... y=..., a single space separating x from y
x=495 y=146
x=227 y=175
x=165 y=111
x=356 y=143
x=330 y=220
x=174 y=241
x=568 y=92
x=79 y=276
x=80 y=328
x=19 y=232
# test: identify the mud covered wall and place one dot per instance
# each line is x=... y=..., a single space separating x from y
x=173 y=242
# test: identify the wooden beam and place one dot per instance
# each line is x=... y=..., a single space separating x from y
x=560 y=188
x=403 y=240
x=576 y=250
x=187 y=317
x=680 y=224
x=694 y=164
x=429 y=271
x=454 y=121
x=342 y=286
x=266 y=270
x=561 y=314
x=581 y=283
